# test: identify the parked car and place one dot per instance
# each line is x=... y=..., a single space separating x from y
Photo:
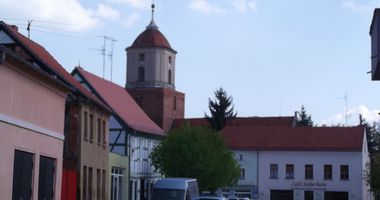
x=175 y=189
x=209 y=198
x=238 y=198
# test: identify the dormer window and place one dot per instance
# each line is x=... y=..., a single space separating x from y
x=141 y=73
x=141 y=57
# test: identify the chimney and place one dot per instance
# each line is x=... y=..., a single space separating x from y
x=14 y=27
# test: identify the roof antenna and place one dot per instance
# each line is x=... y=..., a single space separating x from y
x=28 y=27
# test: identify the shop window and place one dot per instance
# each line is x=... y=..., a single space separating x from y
x=274 y=171
x=22 y=175
x=308 y=171
x=344 y=172
x=328 y=172
x=289 y=171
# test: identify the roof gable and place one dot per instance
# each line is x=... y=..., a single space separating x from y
x=121 y=103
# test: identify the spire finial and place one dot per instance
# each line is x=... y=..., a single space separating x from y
x=153 y=6
x=152 y=25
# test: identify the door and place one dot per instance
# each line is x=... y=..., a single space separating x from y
x=46 y=178
x=22 y=176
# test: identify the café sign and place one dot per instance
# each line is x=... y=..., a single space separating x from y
x=308 y=184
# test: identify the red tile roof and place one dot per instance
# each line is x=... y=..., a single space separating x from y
x=240 y=121
x=121 y=103
x=294 y=138
x=151 y=38
x=43 y=56
x=262 y=121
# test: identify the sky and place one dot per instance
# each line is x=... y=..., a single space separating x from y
x=271 y=56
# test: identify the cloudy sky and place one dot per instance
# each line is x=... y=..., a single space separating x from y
x=271 y=56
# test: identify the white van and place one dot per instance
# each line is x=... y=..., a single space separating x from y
x=175 y=189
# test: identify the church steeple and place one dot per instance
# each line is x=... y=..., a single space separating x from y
x=151 y=76
x=152 y=24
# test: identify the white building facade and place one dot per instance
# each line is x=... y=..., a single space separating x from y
x=314 y=175
x=292 y=163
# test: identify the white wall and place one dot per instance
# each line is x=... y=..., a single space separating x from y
x=299 y=159
x=249 y=163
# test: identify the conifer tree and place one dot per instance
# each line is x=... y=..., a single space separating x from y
x=303 y=119
x=221 y=109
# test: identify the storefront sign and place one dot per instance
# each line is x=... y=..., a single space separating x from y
x=308 y=184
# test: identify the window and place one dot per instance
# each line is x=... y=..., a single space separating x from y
x=174 y=103
x=98 y=183
x=91 y=127
x=117 y=183
x=242 y=173
x=46 y=178
x=327 y=172
x=289 y=171
x=104 y=133
x=141 y=74
x=90 y=183
x=240 y=156
x=104 y=185
x=170 y=76
x=170 y=59
x=138 y=100
x=274 y=171
x=85 y=125
x=99 y=131
x=308 y=171
x=141 y=57
x=22 y=175
x=84 y=179
x=309 y=195
x=344 y=172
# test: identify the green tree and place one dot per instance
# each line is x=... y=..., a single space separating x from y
x=221 y=109
x=303 y=119
x=373 y=144
x=196 y=152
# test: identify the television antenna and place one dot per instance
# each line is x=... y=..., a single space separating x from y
x=103 y=51
x=345 y=97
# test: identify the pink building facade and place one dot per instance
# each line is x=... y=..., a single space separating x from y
x=31 y=130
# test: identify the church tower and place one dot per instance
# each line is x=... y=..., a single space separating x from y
x=151 y=76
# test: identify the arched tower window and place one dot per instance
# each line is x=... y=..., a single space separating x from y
x=170 y=76
x=141 y=73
